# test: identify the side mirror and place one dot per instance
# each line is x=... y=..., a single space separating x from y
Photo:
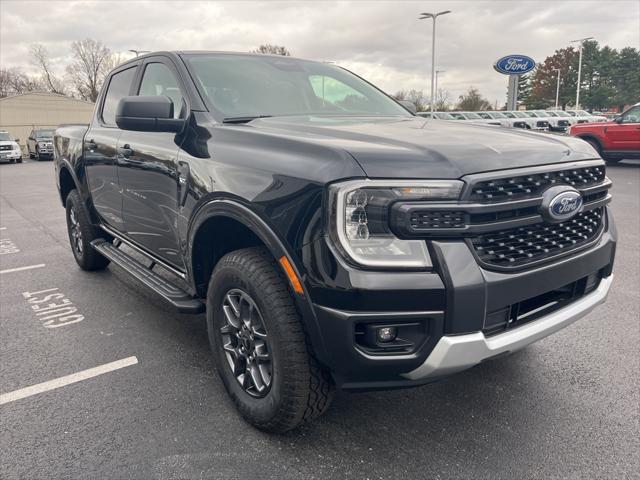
x=618 y=119
x=409 y=106
x=147 y=114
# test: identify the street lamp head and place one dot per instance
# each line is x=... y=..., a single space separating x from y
x=433 y=15
x=581 y=40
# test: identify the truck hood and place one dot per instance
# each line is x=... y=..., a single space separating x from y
x=393 y=147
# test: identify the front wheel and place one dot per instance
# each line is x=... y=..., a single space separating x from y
x=82 y=233
x=259 y=344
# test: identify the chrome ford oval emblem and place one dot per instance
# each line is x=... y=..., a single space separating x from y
x=561 y=203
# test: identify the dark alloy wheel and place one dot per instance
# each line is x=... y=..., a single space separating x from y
x=82 y=233
x=244 y=340
x=261 y=350
x=75 y=233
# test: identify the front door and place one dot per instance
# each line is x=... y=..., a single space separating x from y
x=149 y=172
x=625 y=135
x=100 y=143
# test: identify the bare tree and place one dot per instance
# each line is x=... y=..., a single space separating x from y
x=13 y=81
x=473 y=101
x=111 y=62
x=87 y=69
x=443 y=100
x=417 y=97
x=272 y=49
x=40 y=58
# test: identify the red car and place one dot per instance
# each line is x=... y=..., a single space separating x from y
x=616 y=139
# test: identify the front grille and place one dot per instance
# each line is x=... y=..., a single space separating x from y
x=563 y=123
x=421 y=219
x=521 y=246
x=542 y=124
x=512 y=188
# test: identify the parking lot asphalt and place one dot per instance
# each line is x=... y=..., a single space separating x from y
x=566 y=407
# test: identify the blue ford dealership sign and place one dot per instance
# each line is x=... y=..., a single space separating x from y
x=514 y=64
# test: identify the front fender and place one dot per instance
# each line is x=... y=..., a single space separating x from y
x=235 y=210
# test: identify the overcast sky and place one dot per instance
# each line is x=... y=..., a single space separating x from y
x=382 y=41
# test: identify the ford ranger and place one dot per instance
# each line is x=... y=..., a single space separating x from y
x=333 y=238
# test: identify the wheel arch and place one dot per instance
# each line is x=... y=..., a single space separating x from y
x=236 y=218
x=67 y=181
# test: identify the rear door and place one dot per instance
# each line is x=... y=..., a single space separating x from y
x=149 y=171
x=100 y=143
x=626 y=134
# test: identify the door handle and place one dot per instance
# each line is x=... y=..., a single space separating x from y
x=126 y=151
x=92 y=145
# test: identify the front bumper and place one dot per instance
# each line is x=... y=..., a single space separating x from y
x=10 y=155
x=454 y=304
x=454 y=353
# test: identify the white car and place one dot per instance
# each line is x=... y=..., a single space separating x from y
x=556 y=122
x=473 y=117
x=436 y=115
x=530 y=122
x=9 y=148
x=583 y=116
x=505 y=120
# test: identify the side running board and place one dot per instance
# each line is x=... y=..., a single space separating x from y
x=177 y=297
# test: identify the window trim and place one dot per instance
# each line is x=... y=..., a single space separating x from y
x=103 y=94
x=166 y=61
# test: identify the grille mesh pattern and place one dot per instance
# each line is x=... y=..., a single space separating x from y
x=511 y=188
x=520 y=246
x=423 y=219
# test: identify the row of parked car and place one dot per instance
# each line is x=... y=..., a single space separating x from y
x=552 y=120
x=39 y=145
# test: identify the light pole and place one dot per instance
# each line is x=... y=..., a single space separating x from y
x=558 y=86
x=139 y=52
x=434 y=16
x=581 y=42
x=436 y=86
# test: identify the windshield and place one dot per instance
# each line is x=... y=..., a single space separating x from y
x=560 y=113
x=5 y=137
x=497 y=115
x=520 y=114
x=583 y=113
x=509 y=114
x=261 y=85
x=472 y=116
x=444 y=116
x=44 y=133
x=531 y=114
x=457 y=116
x=485 y=115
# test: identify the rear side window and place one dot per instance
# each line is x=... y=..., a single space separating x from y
x=119 y=87
x=159 y=80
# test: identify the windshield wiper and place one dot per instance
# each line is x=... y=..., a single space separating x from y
x=244 y=119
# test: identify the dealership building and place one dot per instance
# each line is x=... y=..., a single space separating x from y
x=20 y=114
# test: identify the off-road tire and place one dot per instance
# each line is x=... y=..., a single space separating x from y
x=88 y=258
x=300 y=389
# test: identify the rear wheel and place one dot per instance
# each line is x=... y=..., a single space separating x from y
x=82 y=233
x=259 y=344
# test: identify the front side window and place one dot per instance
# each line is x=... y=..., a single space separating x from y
x=158 y=80
x=632 y=115
x=119 y=87
x=251 y=85
x=4 y=137
x=458 y=116
x=484 y=115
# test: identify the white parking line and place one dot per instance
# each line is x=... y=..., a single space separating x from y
x=3 y=228
x=19 y=269
x=66 y=380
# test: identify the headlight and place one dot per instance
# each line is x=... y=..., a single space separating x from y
x=359 y=220
x=42 y=144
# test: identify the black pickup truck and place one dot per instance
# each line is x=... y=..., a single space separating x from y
x=333 y=238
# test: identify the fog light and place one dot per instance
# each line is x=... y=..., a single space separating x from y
x=386 y=334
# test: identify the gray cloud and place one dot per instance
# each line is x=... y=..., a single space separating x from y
x=382 y=41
